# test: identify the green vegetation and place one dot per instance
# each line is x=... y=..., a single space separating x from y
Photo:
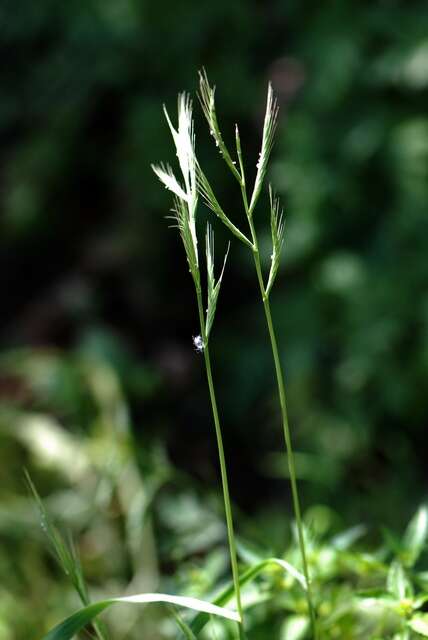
x=392 y=609
x=103 y=397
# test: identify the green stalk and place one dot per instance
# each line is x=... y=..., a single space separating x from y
x=284 y=416
x=223 y=470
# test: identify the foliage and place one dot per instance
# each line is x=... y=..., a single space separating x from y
x=86 y=273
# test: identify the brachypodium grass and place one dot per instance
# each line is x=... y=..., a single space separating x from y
x=363 y=598
x=207 y=100
x=184 y=216
x=185 y=207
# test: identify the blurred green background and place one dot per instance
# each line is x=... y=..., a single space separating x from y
x=103 y=398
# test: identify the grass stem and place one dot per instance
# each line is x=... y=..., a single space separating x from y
x=222 y=460
x=285 y=422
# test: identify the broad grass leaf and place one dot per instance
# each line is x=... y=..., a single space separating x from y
x=419 y=624
x=397 y=582
x=74 y=623
x=295 y=628
x=415 y=537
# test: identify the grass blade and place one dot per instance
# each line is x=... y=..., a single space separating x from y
x=397 y=582
x=76 y=622
x=419 y=624
x=227 y=594
x=415 y=537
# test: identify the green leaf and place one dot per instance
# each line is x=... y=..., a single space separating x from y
x=227 y=594
x=65 y=552
x=419 y=624
x=420 y=601
x=397 y=582
x=345 y=539
x=403 y=635
x=74 y=623
x=295 y=628
x=415 y=537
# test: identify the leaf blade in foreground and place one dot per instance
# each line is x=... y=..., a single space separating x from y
x=78 y=620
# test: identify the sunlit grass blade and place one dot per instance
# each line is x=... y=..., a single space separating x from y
x=277 y=231
x=212 y=203
x=213 y=286
x=65 y=554
x=269 y=127
x=227 y=594
x=76 y=622
x=207 y=99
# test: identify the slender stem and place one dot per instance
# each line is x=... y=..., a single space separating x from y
x=284 y=416
x=223 y=470
x=240 y=176
x=287 y=437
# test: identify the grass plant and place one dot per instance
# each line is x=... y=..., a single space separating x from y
x=207 y=100
x=380 y=595
x=186 y=202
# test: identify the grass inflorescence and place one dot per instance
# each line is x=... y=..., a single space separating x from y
x=343 y=592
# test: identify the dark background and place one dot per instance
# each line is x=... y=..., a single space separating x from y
x=89 y=268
